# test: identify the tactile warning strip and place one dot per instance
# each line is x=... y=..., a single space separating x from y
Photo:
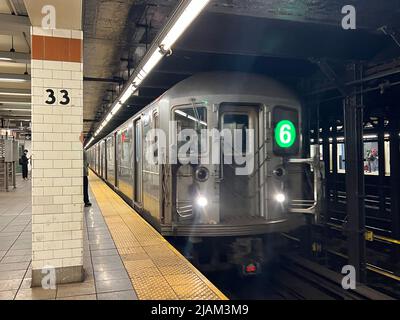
x=157 y=270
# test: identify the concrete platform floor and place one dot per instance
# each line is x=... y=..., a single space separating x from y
x=105 y=279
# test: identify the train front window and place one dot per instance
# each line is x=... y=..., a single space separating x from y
x=191 y=118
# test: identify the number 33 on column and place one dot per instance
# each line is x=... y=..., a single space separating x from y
x=59 y=97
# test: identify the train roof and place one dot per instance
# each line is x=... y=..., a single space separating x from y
x=230 y=83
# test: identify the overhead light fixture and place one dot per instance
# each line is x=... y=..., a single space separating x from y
x=19 y=103
x=88 y=144
x=127 y=94
x=19 y=94
x=12 y=80
x=182 y=22
x=152 y=62
x=5 y=59
x=191 y=12
x=115 y=109
x=13 y=109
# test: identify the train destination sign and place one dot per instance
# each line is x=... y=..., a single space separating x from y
x=285 y=134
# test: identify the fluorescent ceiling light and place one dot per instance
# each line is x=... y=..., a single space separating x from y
x=194 y=8
x=116 y=108
x=16 y=103
x=12 y=80
x=90 y=141
x=11 y=109
x=15 y=94
x=5 y=59
x=127 y=94
x=152 y=62
x=138 y=80
x=189 y=14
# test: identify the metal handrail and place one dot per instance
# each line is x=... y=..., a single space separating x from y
x=316 y=166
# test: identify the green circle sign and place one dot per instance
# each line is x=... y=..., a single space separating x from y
x=285 y=134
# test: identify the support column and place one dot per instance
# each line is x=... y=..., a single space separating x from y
x=394 y=127
x=57 y=122
x=353 y=120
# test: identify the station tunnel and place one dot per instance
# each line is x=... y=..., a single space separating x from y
x=199 y=150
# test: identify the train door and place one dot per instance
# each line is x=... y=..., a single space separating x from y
x=111 y=160
x=105 y=160
x=138 y=162
x=102 y=159
x=98 y=159
x=239 y=197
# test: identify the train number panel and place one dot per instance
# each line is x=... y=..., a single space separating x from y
x=286 y=140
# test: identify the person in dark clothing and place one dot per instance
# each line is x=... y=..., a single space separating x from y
x=24 y=163
x=86 y=180
x=86 y=199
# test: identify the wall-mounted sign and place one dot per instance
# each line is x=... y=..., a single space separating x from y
x=59 y=97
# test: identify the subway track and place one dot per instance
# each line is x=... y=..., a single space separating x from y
x=291 y=278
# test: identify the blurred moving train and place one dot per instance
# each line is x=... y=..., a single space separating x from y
x=209 y=202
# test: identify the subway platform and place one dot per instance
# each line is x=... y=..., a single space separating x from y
x=124 y=257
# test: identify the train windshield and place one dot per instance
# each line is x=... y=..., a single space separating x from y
x=190 y=121
x=191 y=118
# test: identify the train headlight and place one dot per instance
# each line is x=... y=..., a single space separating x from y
x=280 y=197
x=202 y=201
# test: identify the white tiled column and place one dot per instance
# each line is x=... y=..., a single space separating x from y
x=57 y=199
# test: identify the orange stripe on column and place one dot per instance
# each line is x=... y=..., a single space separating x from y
x=56 y=49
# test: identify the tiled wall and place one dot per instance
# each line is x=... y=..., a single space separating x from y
x=57 y=210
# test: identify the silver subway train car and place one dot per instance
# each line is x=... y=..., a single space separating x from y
x=209 y=199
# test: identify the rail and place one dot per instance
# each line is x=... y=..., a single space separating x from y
x=306 y=206
x=322 y=283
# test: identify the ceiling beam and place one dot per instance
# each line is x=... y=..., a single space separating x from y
x=278 y=38
x=14 y=115
x=14 y=25
x=92 y=79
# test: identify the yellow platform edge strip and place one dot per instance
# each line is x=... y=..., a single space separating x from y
x=93 y=179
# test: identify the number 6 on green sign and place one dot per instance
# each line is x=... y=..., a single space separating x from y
x=285 y=134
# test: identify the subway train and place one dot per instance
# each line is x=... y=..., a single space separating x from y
x=207 y=201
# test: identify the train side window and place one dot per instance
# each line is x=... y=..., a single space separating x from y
x=371 y=158
x=387 y=158
x=341 y=158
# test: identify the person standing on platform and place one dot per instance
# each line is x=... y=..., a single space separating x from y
x=24 y=161
x=86 y=199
